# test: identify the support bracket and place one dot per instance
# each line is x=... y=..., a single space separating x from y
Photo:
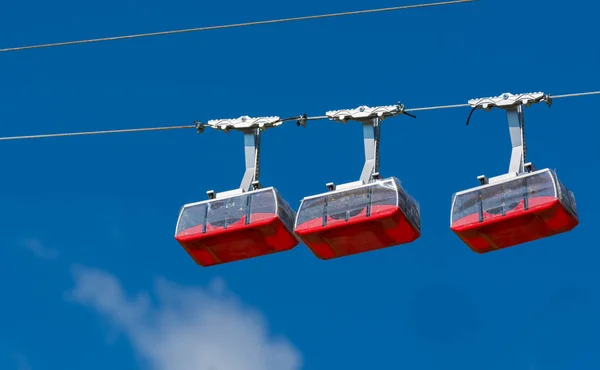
x=513 y=105
x=371 y=119
x=252 y=129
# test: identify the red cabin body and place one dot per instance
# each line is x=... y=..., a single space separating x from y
x=219 y=231
x=367 y=218
x=520 y=210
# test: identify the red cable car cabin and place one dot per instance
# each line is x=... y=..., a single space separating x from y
x=339 y=223
x=252 y=224
x=528 y=207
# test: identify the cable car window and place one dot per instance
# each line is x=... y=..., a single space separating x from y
x=540 y=185
x=216 y=213
x=311 y=209
x=222 y=213
x=262 y=205
x=285 y=212
x=384 y=194
x=466 y=204
x=515 y=192
x=341 y=206
x=492 y=199
x=567 y=197
x=359 y=200
x=191 y=216
x=336 y=206
x=262 y=202
x=409 y=206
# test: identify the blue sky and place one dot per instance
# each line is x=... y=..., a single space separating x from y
x=92 y=277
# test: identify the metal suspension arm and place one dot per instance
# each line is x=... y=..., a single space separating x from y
x=252 y=155
x=371 y=119
x=513 y=104
x=371 y=135
x=516 y=126
x=252 y=129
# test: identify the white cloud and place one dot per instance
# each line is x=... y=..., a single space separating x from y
x=189 y=328
x=39 y=249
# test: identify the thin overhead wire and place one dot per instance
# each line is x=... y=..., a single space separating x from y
x=235 y=25
x=314 y=118
x=575 y=95
x=437 y=107
x=104 y=132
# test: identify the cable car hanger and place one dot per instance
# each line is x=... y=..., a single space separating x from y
x=371 y=119
x=513 y=105
x=251 y=127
